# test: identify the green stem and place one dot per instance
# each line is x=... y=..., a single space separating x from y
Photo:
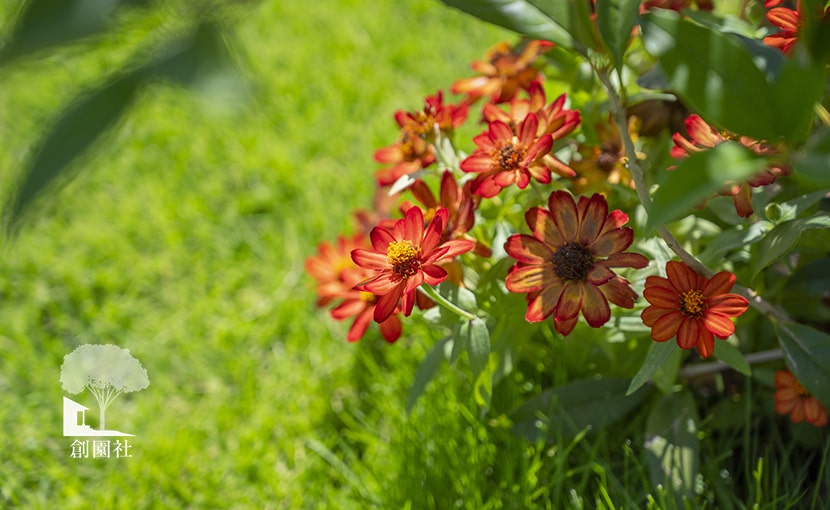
x=441 y=300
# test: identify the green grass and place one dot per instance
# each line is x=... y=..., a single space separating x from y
x=183 y=239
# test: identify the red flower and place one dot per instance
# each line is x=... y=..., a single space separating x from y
x=789 y=22
x=692 y=307
x=460 y=204
x=703 y=137
x=553 y=119
x=336 y=275
x=408 y=155
x=405 y=256
x=565 y=266
x=435 y=113
x=504 y=158
x=791 y=398
x=503 y=73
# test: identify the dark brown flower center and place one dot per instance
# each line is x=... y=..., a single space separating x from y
x=510 y=156
x=692 y=303
x=404 y=257
x=573 y=262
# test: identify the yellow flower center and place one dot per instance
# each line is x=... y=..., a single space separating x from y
x=510 y=156
x=367 y=297
x=692 y=303
x=404 y=257
x=573 y=262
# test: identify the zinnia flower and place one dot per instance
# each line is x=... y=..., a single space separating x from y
x=603 y=164
x=504 y=158
x=336 y=276
x=408 y=155
x=789 y=23
x=791 y=398
x=703 y=136
x=405 y=256
x=503 y=73
x=434 y=113
x=554 y=119
x=565 y=265
x=691 y=307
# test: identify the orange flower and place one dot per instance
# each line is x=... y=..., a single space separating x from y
x=405 y=256
x=553 y=119
x=336 y=276
x=565 y=266
x=692 y=307
x=791 y=398
x=460 y=204
x=789 y=22
x=504 y=158
x=603 y=164
x=435 y=113
x=504 y=72
x=703 y=137
x=408 y=155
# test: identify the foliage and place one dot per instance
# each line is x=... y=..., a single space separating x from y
x=572 y=172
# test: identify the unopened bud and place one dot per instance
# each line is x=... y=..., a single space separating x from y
x=773 y=212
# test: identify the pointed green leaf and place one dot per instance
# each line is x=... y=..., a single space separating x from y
x=426 y=372
x=807 y=353
x=783 y=238
x=567 y=410
x=657 y=356
x=477 y=338
x=79 y=126
x=697 y=177
x=616 y=19
x=519 y=16
x=730 y=355
x=672 y=444
x=713 y=72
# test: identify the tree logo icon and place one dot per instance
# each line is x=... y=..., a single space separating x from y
x=106 y=371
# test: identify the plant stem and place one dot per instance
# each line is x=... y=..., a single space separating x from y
x=642 y=192
x=441 y=300
x=753 y=358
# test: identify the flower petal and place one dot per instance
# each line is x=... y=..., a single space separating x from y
x=690 y=332
x=660 y=296
x=524 y=279
x=391 y=328
x=618 y=291
x=563 y=210
x=542 y=304
x=626 y=259
x=593 y=219
x=720 y=283
x=595 y=307
x=666 y=326
x=731 y=305
x=611 y=242
x=681 y=276
x=525 y=248
x=387 y=303
x=571 y=300
x=543 y=227
x=368 y=259
x=719 y=325
x=360 y=324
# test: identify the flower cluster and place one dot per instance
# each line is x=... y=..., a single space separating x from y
x=573 y=254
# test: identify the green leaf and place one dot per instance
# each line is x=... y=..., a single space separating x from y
x=730 y=355
x=657 y=356
x=807 y=353
x=783 y=238
x=697 y=177
x=812 y=162
x=426 y=372
x=77 y=128
x=797 y=87
x=740 y=236
x=567 y=410
x=46 y=23
x=517 y=15
x=616 y=19
x=672 y=445
x=713 y=72
x=476 y=336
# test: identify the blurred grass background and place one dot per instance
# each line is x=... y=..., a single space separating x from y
x=183 y=239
